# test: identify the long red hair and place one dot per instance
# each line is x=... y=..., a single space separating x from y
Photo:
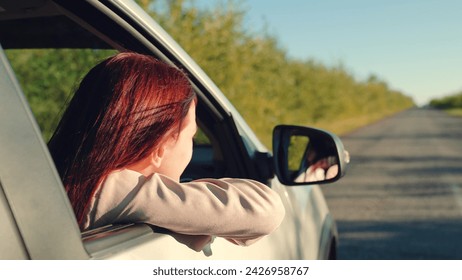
x=119 y=114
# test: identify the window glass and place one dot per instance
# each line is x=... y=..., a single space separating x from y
x=48 y=77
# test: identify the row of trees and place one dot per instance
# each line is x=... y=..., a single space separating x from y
x=266 y=85
x=449 y=102
x=253 y=71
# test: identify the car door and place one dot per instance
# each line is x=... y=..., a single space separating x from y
x=227 y=148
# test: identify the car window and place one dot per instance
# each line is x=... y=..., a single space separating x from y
x=49 y=77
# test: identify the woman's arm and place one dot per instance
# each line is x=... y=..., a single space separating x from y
x=239 y=210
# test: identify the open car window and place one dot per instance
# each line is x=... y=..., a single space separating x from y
x=49 y=77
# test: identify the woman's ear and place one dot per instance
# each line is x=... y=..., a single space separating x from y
x=164 y=147
x=157 y=156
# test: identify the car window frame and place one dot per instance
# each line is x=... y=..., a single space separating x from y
x=66 y=239
x=30 y=181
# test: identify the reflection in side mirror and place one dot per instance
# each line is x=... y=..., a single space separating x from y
x=306 y=155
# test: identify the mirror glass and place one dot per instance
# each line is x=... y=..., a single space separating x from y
x=311 y=159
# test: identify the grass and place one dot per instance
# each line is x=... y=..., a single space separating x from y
x=343 y=126
x=457 y=112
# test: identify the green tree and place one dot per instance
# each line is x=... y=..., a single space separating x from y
x=48 y=77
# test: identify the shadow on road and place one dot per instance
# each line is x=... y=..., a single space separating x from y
x=411 y=239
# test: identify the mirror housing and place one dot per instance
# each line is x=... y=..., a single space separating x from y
x=305 y=155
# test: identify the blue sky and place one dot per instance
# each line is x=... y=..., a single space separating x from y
x=415 y=46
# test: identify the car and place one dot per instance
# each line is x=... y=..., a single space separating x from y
x=37 y=219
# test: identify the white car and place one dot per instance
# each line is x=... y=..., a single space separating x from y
x=37 y=219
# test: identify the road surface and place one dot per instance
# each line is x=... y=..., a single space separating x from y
x=402 y=195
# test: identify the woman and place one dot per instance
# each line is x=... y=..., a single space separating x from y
x=122 y=144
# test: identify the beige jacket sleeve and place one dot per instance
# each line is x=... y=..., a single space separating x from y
x=239 y=210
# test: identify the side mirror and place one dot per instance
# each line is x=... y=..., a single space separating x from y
x=304 y=155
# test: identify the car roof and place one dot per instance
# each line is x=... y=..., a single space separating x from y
x=41 y=24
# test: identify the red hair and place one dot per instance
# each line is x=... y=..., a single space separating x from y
x=122 y=110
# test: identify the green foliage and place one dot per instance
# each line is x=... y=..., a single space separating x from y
x=448 y=102
x=48 y=77
x=296 y=151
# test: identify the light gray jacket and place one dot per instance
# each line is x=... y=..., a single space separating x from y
x=240 y=210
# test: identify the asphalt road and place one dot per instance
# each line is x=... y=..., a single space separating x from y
x=402 y=195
